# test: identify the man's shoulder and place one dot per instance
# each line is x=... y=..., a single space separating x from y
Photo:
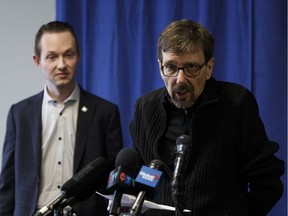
x=27 y=105
x=93 y=98
x=152 y=99
x=34 y=98
x=231 y=88
x=233 y=92
x=154 y=94
x=231 y=85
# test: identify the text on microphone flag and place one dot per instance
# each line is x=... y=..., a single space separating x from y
x=148 y=176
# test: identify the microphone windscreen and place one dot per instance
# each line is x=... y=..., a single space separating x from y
x=84 y=177
x=128 y=159
x=97 y=182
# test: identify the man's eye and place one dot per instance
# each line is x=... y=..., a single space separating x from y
x=70 y=54
x=192 y=66
x=171 y=67
x=51 y=57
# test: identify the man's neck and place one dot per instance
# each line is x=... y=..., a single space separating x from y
x=61 y=94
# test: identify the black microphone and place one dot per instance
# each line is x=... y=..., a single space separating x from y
x=122 y=178
x=183 y=145
x=96 y=182
x=147 y=179
x=50 y=206
x=74 y=185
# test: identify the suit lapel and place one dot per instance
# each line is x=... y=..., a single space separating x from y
x=85 y=115
x=36 y=133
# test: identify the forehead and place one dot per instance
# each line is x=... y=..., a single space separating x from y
x=57 y=41
x=196 y=57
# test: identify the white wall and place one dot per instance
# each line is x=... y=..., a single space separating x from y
x=19 y=78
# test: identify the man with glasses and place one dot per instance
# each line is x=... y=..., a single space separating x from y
x=231 y=168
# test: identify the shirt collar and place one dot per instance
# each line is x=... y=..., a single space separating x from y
x=74 y=96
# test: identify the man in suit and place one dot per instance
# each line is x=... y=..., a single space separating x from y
x=53 y=134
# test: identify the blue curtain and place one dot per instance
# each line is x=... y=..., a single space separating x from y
x=119 y=52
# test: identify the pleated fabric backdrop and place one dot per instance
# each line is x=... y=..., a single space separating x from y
x=119 y=52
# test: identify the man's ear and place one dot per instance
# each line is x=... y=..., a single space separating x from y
x=36 y=60
x=160 y=65
x=210 y=66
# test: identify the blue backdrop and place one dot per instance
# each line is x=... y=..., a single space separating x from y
x=119 y=52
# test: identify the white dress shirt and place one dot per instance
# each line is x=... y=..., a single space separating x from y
x=59 y=123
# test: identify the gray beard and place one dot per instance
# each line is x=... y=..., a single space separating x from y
x=182 y=105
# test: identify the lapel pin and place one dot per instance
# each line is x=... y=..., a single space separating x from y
x=84 y=109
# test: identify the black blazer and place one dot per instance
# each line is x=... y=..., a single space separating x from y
x=98 y=134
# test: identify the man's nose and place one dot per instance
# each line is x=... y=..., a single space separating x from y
x=181 y=77
x=61 y=63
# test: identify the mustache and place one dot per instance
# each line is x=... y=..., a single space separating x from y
x=182 y=88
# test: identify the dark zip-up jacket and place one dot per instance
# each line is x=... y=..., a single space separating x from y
x=232 y=169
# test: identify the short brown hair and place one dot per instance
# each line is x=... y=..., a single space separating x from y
x=186 y=36
x=53 y=27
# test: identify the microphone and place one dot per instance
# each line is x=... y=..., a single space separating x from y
x=120 y=180
x=183 y=145
x=96 y=182
x=74 y=185
x=148 y=178
x=51 y=205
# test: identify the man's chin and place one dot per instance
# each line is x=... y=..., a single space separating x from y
x=182 y=104
x=63 y=83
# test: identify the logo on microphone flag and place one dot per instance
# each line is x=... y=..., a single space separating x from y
x=119 y=177
x=148 y=176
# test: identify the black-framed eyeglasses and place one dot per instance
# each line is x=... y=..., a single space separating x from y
x=191 y=70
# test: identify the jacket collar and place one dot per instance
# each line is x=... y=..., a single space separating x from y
x=209 y=93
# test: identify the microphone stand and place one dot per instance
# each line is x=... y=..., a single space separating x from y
x=178 y=207
x=178 y=195
x=59 y=209
x=58 y=212
x=136 y=208
x=116 y=204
